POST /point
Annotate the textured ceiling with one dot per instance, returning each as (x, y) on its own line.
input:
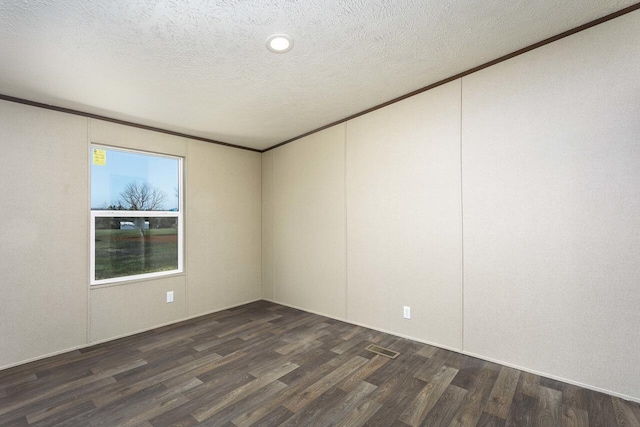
(201, 66)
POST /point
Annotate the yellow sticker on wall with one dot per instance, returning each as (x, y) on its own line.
(99, 157)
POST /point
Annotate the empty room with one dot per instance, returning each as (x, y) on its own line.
(320, 213)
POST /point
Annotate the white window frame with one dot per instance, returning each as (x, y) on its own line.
(136, 214)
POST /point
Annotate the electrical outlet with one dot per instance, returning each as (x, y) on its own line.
(407, 312)
(170, 296)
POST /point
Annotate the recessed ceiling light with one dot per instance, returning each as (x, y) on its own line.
(279, 43)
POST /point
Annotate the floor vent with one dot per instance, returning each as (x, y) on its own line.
(382, 351)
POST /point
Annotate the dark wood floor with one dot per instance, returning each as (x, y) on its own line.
(263, 364)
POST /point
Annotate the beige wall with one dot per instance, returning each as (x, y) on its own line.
(101, 132)
(119, 310)
(44, 250)
(267, 226)
(223, 227)
(549, 148)
(48, 306)
(551, 166)
(309, 223)
(362, 229)
(404, 222)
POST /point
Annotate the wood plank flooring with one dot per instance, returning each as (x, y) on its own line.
(264, 364)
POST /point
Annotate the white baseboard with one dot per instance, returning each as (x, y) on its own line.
(553, 377)
(479, 356)
(467, 353)
(367, 326)
(128, 334)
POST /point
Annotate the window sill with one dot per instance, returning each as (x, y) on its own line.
(142, 280)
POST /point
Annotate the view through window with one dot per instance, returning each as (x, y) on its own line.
(136, 215)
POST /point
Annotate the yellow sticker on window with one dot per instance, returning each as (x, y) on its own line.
(99, 157)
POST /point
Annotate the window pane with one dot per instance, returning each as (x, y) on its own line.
(123, 180)
(126, 246)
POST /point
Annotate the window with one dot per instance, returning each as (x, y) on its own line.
(136, 215)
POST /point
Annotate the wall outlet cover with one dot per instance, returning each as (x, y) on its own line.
(170, 296)
(407, 312)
